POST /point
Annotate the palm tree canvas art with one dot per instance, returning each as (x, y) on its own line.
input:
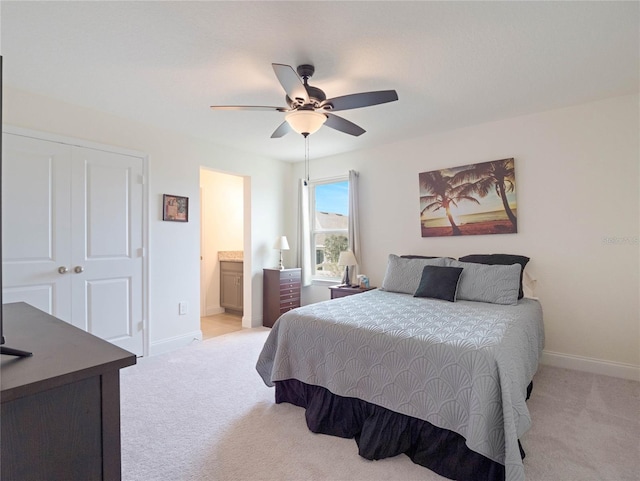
(469, 200)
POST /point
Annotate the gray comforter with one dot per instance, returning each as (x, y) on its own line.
(462, 366)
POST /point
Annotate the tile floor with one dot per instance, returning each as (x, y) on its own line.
(220, 324)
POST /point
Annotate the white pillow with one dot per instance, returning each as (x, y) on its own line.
(495, 284)
(403, 275)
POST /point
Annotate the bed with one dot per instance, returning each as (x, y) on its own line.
(443, 381)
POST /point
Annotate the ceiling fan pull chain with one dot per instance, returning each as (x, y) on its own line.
(306, 157)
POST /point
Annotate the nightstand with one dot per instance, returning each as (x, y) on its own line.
(343, 291)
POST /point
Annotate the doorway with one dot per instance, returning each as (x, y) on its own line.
(221, 245)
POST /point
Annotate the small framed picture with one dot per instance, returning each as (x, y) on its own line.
(175, 208)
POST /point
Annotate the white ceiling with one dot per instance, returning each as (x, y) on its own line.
(452, 63)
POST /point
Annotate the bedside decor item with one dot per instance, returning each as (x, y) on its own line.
(363, 281)
(175, 208)
(471, 199)
(345, 260)
(282, 245)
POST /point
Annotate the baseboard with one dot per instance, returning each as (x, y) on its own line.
(212, 311)
(594, 366)
(173, 343)
(251, 323)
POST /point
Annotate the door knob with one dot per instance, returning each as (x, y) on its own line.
(78, 269)
(62, 270)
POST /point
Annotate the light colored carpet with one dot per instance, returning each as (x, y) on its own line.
(203, 413)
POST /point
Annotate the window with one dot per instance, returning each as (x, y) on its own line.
(329, 202)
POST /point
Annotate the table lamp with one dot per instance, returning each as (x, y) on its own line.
(282, 245)
(345, 260)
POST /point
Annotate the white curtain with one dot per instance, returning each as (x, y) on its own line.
(304, 233)
(354, 225)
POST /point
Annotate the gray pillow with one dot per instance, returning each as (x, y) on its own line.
(501, 259)
(495, 284)
(403, 275)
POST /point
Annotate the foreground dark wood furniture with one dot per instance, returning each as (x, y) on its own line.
(281, 293)
(60, 408)
(343, 291)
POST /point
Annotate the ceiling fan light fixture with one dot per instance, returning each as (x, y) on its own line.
(305, 121)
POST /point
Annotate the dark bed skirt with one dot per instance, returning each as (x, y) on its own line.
(381, 433)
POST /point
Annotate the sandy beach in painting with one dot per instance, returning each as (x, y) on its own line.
(477, 228)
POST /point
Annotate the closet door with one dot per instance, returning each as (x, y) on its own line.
(106, 247)
(36, 224)
(72, 225)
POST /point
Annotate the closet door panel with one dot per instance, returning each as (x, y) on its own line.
(40, 295)
(36, 223)
(108, 211)
(107, 208)
(106, 319)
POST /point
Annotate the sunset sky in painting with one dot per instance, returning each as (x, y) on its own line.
(492, 202)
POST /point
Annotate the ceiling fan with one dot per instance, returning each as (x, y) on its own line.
(308, 107)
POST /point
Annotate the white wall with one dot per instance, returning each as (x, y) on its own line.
(222, 220)
(578, 207)
(174, 168)
(577, 188)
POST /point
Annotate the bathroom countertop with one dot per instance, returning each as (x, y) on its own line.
(230, 256)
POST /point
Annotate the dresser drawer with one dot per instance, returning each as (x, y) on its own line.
(293, 298)
(289, 285)
(290, 281)
(287, 276)
(289, 289)
(288, 307)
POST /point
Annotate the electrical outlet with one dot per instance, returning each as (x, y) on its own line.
(183, 308)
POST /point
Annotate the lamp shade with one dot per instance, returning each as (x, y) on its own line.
(281, 243)
(347, 259)
(305, 121)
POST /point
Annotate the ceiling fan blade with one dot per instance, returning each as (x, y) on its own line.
(290, 82)
(343, 125)
(249, 107)
(282, 130)
(364, 99)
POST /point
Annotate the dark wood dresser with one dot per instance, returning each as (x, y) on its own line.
(281, 293)
(60, 407)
